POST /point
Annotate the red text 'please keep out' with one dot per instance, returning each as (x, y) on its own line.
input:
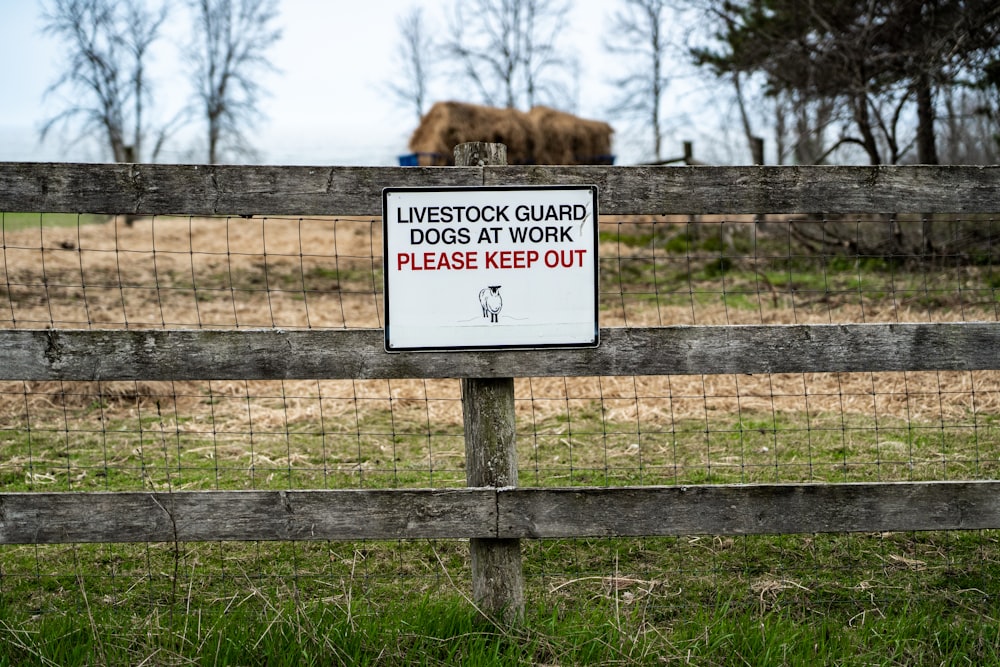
(490, 259)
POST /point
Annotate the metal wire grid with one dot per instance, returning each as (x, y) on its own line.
(326, 272)
(317, 273)
(194, 273)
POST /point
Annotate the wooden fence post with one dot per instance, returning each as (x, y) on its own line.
(490, 456)
(757, 150)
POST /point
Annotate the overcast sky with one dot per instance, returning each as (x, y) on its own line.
(327, 105)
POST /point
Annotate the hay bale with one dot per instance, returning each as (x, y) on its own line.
(569, 139)
(448, 124)
(541, 136)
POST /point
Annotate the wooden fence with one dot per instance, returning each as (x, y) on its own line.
(495, 513)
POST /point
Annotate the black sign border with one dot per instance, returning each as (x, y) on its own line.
(485, 348)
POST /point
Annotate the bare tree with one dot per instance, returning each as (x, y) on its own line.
(506, 49)
(637, 33)
(108, 43)
(545, 20)
(972, 130)
(414, 58)
(231, 38)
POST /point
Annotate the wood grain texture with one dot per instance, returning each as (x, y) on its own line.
(53, 354)
(158, 189)
(491, 455)
(59, 518)
(506, 514)
(488, 418)
(745, 510)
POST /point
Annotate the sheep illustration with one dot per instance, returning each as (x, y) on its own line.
(490, 300)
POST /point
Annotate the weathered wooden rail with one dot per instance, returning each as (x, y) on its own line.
(260, 190)
(270, 354)
(494, 513)
(514, 513)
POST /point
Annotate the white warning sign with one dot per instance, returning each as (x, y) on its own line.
(490, 267)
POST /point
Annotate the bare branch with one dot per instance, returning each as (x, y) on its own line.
(414, 59)
(231, 37)
(507, 50)
(107, 43)
(638, 33)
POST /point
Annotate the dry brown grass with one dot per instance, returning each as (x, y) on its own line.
(193, 273)
(316, 273)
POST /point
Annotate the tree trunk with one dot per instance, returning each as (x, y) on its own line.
(863, 118)
(926, 145)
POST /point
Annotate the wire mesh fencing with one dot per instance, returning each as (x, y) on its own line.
(315, 273)
(311, 273)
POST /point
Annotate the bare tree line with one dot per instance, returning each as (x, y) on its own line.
(882, 81)
(506, 53)
(885, 81)
(108, 44)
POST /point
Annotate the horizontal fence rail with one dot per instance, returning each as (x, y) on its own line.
(153, 189)
(59, 354)
(183, 516)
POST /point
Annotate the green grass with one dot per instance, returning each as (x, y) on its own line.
(694, 266)
(745, 285)
(892, 599)
(442, 631)
(399, 448)
(16, 221)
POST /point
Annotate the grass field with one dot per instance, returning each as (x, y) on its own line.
(12, 222)
(844, 599)
(893, 599)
